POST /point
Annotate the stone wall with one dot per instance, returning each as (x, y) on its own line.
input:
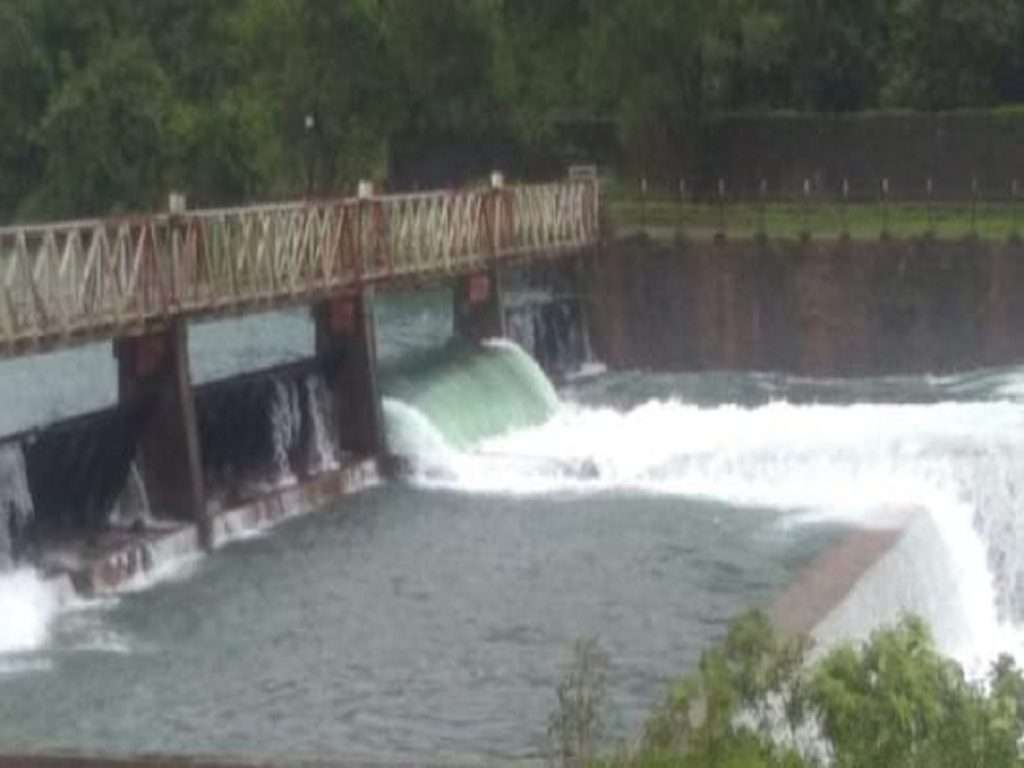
(824, 308)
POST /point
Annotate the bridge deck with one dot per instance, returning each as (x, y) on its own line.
(69, 282)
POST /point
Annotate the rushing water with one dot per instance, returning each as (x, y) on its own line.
(430, 617)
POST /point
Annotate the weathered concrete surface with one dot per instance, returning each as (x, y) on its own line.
(155, 369)
(823, 308)
(346, 348)
(830, 578)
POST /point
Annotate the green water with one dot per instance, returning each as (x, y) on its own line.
(470, 393)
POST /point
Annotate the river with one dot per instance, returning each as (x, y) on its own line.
(430, 618)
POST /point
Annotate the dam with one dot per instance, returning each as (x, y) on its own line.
(538, 497)
(204, 460)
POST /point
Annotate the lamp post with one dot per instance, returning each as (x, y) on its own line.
(310, 124)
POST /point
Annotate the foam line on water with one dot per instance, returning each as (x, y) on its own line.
(38, 614)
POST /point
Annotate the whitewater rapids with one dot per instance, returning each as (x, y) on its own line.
(959, 465)
(489, 422)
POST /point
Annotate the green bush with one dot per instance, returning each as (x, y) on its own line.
(758, 701)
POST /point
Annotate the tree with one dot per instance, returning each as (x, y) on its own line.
(756, 701)
(897, 701)
(104, 136)
(576, 726)
(537, 68)
(946, 53)
(24, 85)
(320, 70)
(644, 62)
(836, 51)
(747, 43)
(442, 54)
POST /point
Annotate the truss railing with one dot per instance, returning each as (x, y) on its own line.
(118, 276)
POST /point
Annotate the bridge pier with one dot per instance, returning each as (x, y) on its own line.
(153, 373)
(479, 310)
(346, 347)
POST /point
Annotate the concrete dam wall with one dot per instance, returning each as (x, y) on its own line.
(78, 479)
(94, 496)
(822, 308)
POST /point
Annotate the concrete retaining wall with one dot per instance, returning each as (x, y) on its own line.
(824, 308)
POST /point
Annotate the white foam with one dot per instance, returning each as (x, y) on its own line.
(588, 370)
(14, 666)
(946, 583)
(542, 384)
(173, 569)
(84, 628)
(323, 446)
(28, 606)
(410, 433)
(962, 462)
(1008, 384)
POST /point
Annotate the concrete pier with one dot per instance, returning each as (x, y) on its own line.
(153, 372)
(346, 349)
(478, 308)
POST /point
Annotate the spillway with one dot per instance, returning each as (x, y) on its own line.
(429, 616)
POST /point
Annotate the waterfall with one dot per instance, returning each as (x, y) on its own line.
(132, 507)
(16, 510)
(264, 431)
(552, 331)
(286, 427)
(471, 393)
(322, 448)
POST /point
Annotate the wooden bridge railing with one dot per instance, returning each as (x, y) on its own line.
(112, 277)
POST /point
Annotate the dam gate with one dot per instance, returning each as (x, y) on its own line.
(138, 281)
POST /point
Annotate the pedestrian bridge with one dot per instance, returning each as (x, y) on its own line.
(68, 282)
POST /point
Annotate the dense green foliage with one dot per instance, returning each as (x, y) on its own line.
(759, 701)
(106, 104)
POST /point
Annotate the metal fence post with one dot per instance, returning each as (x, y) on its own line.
(929, 189)
(682, 207)
(721, 206)
(176, 206)
(762, 193)
(804, 228)
(1014, 208)
(364, 191)
(844, 223)
(497, 191)
(885, 207)
(643, 203)
(974, 206)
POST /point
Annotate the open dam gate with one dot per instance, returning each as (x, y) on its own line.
(173, 467)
